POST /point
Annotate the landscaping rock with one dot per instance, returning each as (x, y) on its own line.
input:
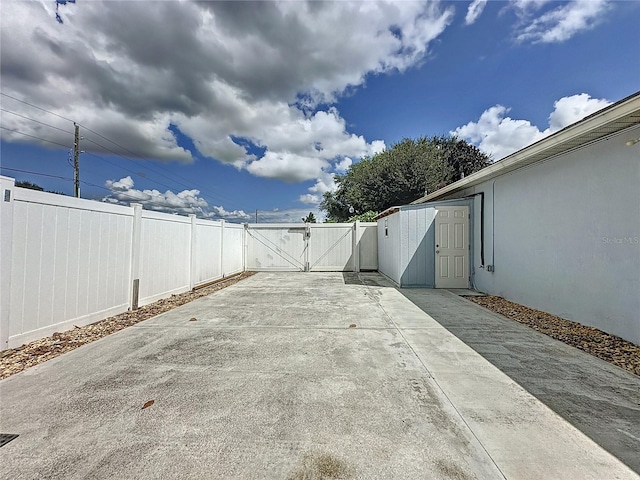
(600, 344)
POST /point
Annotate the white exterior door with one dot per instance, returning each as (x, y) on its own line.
(452, 247)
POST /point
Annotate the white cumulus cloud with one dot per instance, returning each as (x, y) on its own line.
(310, 199)
(344, 164)
(559, 23)
(474, 11)
(185, 202)
(220, 212)
(251, 84)
(499, 135)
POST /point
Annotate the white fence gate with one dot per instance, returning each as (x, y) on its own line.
(312, 247)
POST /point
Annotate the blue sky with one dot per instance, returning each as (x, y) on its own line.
(220, 109)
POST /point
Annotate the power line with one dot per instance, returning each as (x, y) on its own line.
(131, 160)
(69, 179)
(36, 121)
(215, 198)
(34, 136)
(36, 173)
(35, 106)
(158, 166)
(110, 141)
(101, 158)
(124, 168)
(71, 133)
(172, 178)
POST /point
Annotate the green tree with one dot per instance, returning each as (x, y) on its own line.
(33, 186)
(401, 174)
(363, 217)
(29, 185)
(311, 218)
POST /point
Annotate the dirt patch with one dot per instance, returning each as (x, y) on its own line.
(321, 466)
(451, 470)
(15, 360)
(600, 344)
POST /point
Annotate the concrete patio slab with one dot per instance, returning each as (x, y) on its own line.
(601, 400)
(270, 381)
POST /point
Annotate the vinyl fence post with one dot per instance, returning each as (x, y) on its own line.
(7, 190)
(192, 253)
(356, 246)
(307, 241)
(136, 242)
(222, 272)
(245, 246)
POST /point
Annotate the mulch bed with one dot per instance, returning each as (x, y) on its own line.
(600, 344)
(15, 360)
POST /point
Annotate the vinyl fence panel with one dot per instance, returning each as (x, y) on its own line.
(70, 263)
(207, 263)
(165, 256)
(233, 252)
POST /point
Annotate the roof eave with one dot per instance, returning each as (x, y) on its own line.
(386, 213)
(530, 154)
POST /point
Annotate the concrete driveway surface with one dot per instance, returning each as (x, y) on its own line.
(289, 375)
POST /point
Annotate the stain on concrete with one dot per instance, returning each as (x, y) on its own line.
(451, 470)
(321, 466)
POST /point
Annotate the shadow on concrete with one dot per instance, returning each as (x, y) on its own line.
(596, 397)
(351, 278)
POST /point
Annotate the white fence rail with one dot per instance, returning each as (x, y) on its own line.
(67, 261)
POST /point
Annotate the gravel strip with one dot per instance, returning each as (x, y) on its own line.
(600, 344)
(15, 360)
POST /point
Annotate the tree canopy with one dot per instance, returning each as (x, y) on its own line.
(401, 174)
(29, 185)
(34, 186)
(311, 218)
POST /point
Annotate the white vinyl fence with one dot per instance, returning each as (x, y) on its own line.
(312, 247)
(66, 261)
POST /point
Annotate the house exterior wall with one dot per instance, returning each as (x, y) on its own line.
(564, 235)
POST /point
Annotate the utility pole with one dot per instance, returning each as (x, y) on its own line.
(76, 165)
(256, 215)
